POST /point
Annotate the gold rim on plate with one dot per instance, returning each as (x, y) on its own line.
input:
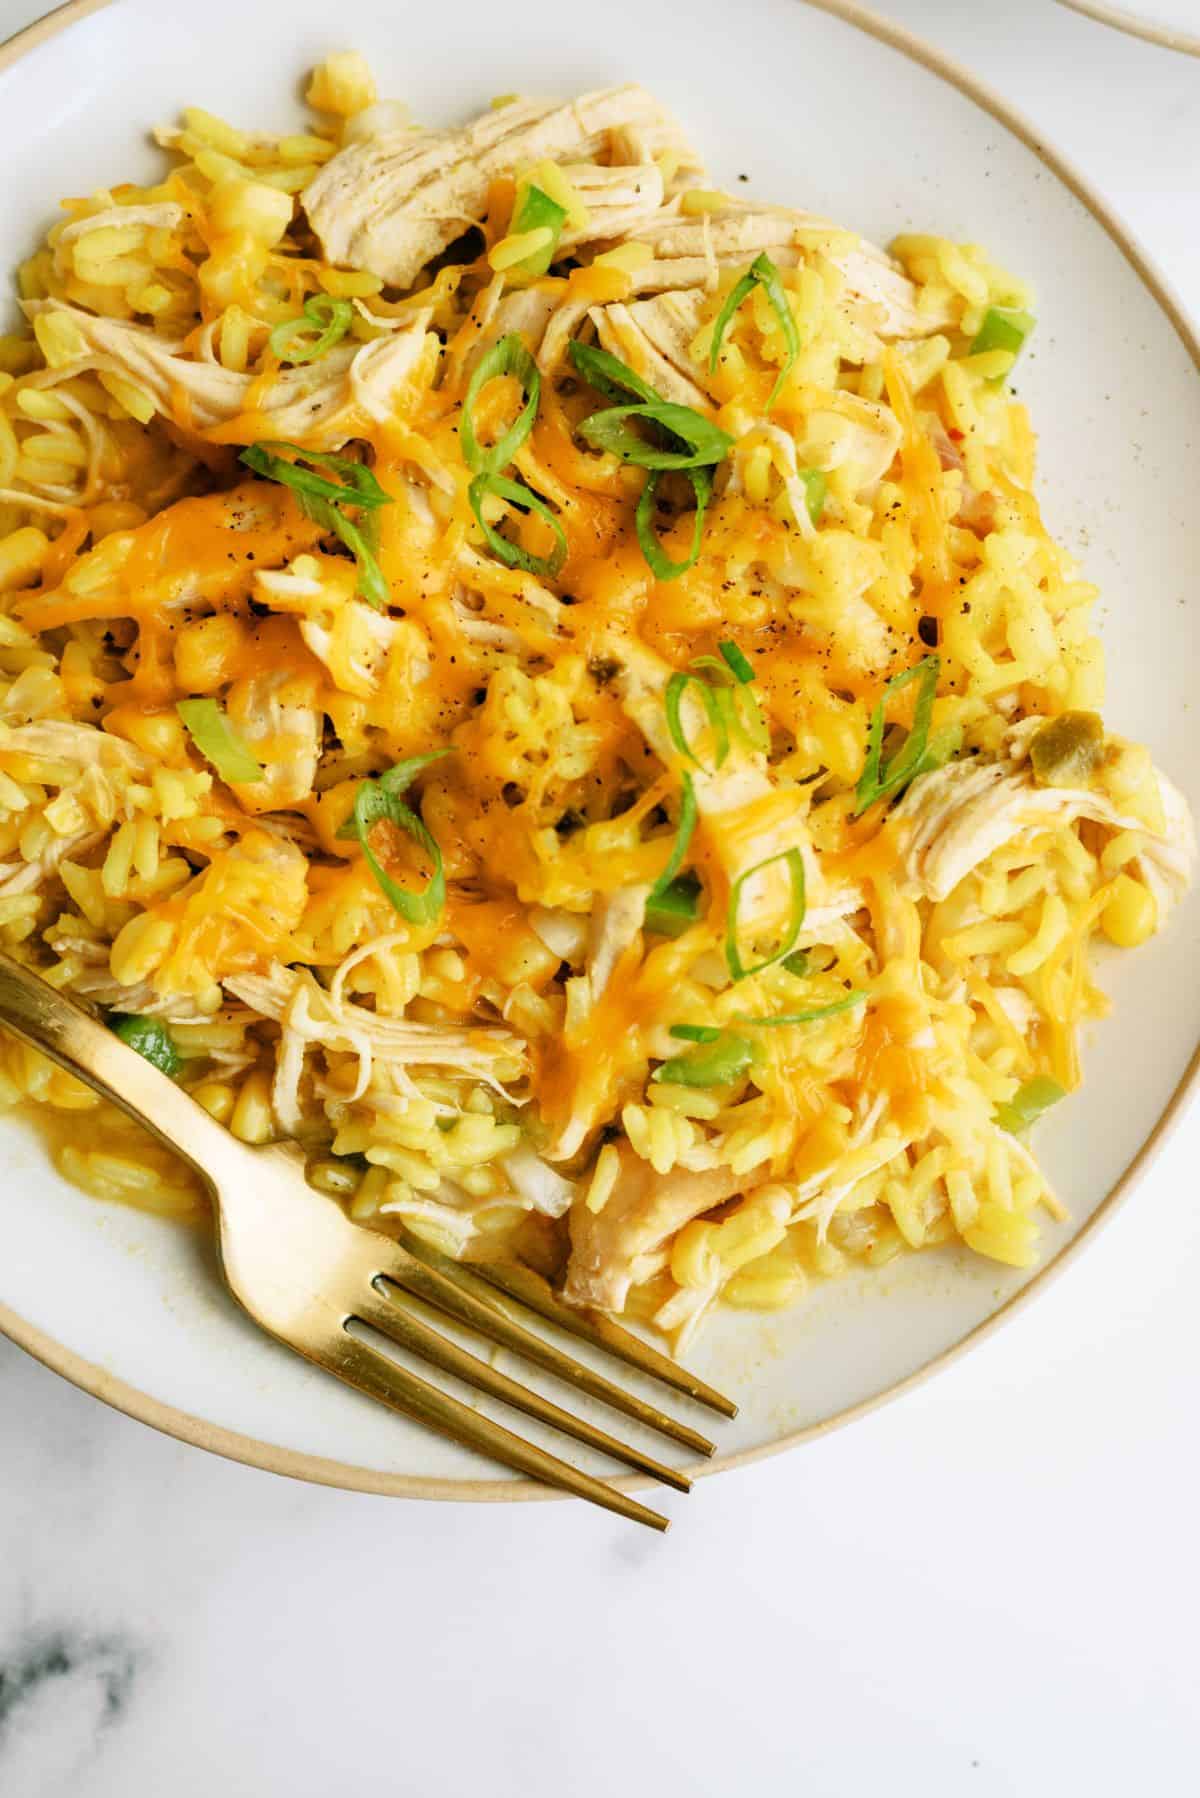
(1168, 36)
(322, 1471)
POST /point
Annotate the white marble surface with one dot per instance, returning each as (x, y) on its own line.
(988, 1588)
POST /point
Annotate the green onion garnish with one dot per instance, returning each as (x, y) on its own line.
(398, 778)
(676, 908)
(380, 799)
(763, 273)
(737, 663)
(150, 1038)
(705, 443)
(358, 486)
(1002, 329)
(677, 686)
(716, 1064)
(517, 494)
(1028, 1103)
(217, 741)
(508, 357)
(325, 502)
(738, 705)
(324, 322)
(815, 485)
(619, 383)
(696, 1033)
(878, 781)
(683, 836)
(660, 563)
(609, 375)
(536, 211)
(794, 862)
(807, 1017)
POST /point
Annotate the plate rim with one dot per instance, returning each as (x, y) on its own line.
(321, 1470)
(1168, 37)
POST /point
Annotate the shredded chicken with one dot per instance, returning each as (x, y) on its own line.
(954, 818)
(347, 1027)
(611, 1248)
(614, 930)
(277, 717)
(356, 646)
(692, 252)
(654, 337)
(323, 403)
(27, 877)
(59, 740)
(618, 200)
(538, 1185)
(392, 203)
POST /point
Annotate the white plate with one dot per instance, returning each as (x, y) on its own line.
(818, 110)
(1173, 23)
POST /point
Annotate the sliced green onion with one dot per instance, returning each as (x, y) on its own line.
(807, 1017)
(716, 1064)
(1028, 1103)
(677, 686)
(1003, 328)
(744, 718)
(397, 780)
(151, 1039)
(660, 564)
(323, 501)
(683, 836)
(329, 319)
(508, 357)
(706, 443)
(217, 741)
(362, 540)
(536, 211)
(878, 781)
(815, 486)
(794, 862)
(696, 1033)
(517, 494)
(676, 908)
(358, 487)
(376, 800)
(763, 273)
(609, 375)
(737, 663)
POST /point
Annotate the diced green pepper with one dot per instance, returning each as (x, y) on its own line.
(151, 1039)
(670, 912)
(1067, 750)
(1003, 328)
(1028, 1103)
(535, 211)
(715, 1064)
(815, 485)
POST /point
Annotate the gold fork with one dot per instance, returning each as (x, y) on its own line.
(304, 1272)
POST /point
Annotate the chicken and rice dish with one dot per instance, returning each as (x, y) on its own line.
(547, 683)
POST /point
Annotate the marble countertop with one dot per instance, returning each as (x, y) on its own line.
(986, 1588)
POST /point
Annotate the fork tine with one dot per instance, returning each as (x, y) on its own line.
(521, 1282)
(391, 1315)
(380, 1378)
(473, 1304)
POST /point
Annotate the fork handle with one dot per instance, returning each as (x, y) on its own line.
(48, 1020)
